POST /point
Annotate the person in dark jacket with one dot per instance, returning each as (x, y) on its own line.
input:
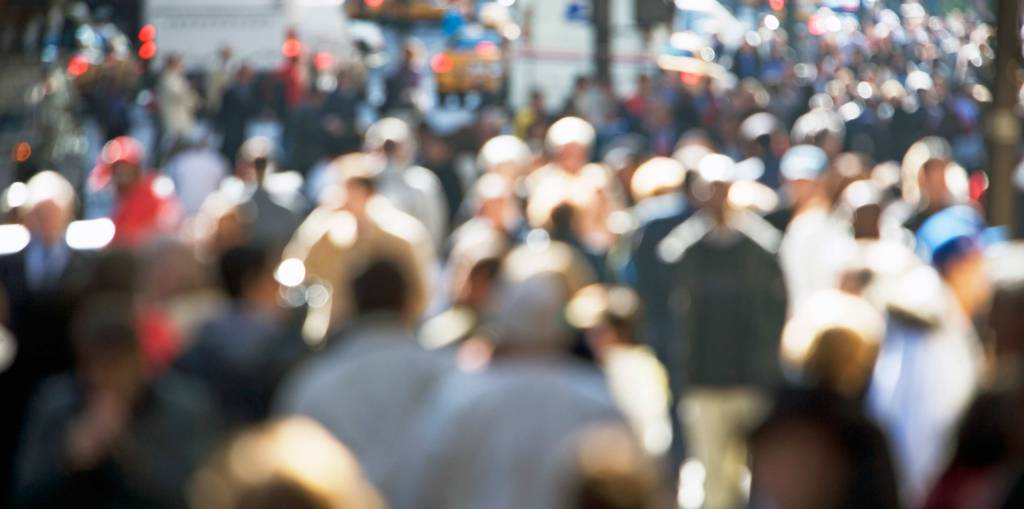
(728, 299)
(237, 107)
(818, 449)
(105, 436)
(244, 351)
(40, 275)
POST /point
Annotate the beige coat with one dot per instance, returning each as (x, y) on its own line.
(334, 246)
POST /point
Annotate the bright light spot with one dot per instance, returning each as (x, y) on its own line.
(620, 222)
(441, 63)
(78, 66)
(487, 49)
(691, 484)
(8, 350)
(777, 5)
(833, 24)
(148, 50)
(657, 438)
(745, 480)
(689, 78)
(850, 111)
(864, 90)
(538, 239)
(291, 48)
(374, 4)
(291, 272)
(323, 60)
(17, 195)
(22, 152)
(147, 33)
(507, 3)
(511, 31)
(90, 233)
(163, 186)
(707, 53)
(13, 238)
(318, 296)
(815, 25)
(771, 22)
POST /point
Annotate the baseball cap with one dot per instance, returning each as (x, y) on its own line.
(953, 231)
(803, 162)
(121, 149)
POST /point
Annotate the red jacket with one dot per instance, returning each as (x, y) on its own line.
(142, 213)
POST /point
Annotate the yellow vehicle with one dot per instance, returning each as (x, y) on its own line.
(395, 10)
(476, 68)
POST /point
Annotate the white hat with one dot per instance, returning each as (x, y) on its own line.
(570, 130)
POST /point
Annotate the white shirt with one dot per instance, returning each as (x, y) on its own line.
(924, 381)
(813, 253)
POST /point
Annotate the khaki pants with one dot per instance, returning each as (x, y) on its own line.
(717, 421)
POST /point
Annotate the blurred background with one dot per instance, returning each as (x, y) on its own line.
(513, 253)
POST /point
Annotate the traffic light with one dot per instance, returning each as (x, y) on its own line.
(147, 42)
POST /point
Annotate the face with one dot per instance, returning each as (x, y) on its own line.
(357, 196)
(932, 180)
(800, 191)
(573, 156)
(125, 175)
(48, 220)
(119, 373)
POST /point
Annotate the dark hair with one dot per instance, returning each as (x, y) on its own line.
(240, 265)
(104, 324)
(381, 286)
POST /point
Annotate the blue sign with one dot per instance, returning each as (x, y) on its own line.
(578, 11)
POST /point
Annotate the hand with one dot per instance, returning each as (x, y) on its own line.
(92, 435)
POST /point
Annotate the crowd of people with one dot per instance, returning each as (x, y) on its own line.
(767, 285)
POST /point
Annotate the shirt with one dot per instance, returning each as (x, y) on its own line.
(367, 389)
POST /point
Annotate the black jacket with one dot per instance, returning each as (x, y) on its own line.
(728, 300)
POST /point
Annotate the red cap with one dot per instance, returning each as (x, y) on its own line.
(121, 149)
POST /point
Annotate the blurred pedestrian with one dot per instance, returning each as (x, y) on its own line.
(178, 101)
(218, 79)
(41, 278)
(373, 364)
(243, 352)
(816, 449)
(237, 107)
(353, 226)
(276, 451)
(483, 429)
(815, 245)
(728, 299)
(197, 171)
(930, 363)
(104, 435)
(145, 206)
(412, 189)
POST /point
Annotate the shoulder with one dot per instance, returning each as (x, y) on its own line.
(56, 395)
(759, 230)
(678, 241)
(182, 394)
(421, 178)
